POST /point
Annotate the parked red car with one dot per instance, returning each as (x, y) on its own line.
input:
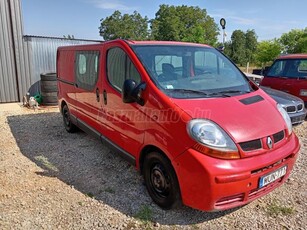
(198, 130)
(289, 73)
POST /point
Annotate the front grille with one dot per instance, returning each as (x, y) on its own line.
(300, 107)
(251, 145)
(291, 109)
(257, 144)
(278, 136)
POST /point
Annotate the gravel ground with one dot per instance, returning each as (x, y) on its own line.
(50, 179)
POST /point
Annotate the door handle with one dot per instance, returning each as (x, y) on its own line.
(105, 97)
(97, 95)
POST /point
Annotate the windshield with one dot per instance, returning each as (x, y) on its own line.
(191, 71)
(289, 68)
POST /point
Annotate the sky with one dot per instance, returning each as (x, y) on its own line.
(81, 18)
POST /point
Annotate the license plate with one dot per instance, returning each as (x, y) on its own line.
(273, 176)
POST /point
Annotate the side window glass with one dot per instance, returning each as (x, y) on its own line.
(302, 68)
(277, 69)
(120, 68)
(82, 64)
(86, 67)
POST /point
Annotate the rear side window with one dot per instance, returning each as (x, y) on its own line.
(120, 68)
(86, 69)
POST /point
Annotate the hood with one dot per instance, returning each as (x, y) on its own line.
(246, 117)
(282, 97)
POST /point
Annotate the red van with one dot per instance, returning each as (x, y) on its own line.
(289, 73)
(199, 131)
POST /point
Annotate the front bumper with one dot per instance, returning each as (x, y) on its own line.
(298, 117)
(208, 183)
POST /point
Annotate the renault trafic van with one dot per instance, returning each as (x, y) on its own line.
(184, 115)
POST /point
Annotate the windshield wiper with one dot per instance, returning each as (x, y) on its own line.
(188, 91)
(227, 93)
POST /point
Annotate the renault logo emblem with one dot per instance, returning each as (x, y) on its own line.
(269, 142)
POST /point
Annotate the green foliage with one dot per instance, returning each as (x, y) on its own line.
(238, 54)
(46, 163)
(126, 26)
(89, 194)
(274, 209)
(242, 47)
(294, 41)
(267, 51)
(145, 214)
(184, 23)
(250, 45)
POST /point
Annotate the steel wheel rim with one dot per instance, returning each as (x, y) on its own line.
(160, 181)
(66, 118)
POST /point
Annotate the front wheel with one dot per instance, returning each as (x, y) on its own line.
(69, 126)
(161, 181)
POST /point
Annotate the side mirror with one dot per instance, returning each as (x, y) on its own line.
(132, 92)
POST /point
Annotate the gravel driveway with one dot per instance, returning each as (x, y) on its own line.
(50, 179)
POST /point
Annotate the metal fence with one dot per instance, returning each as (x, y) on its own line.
(42, 54)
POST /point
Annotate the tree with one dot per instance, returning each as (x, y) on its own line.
(302, 43)
(267, 51)
(238, 46)
(183, 23)
(133, 26)
(241, 49)
(250, 45)
(293, 41)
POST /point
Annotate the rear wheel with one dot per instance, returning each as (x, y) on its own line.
(69, 126)
(161, 181)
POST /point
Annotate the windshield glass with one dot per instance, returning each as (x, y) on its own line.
(289, 68)
(191, 71)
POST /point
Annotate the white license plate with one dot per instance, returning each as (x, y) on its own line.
(273, 176)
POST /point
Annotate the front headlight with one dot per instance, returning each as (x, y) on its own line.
(214, 137)
(286, 117)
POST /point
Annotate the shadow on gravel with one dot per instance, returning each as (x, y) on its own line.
(86, 164)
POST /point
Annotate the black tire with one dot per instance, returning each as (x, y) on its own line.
(69, 126)
(49, 89)
(50, 98)
(48, 77)
(161, 181)
(49, 86)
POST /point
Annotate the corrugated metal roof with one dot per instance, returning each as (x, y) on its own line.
(60, 38)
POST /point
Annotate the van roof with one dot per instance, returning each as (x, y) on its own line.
(131, 42)
(164, 43)
(293, 56)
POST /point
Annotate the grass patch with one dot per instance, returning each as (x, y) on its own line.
(145, 215)
(275, 209)
(46, 163)
(89, 194)
(110, 190)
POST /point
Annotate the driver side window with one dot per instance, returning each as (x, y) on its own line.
(120, 67)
